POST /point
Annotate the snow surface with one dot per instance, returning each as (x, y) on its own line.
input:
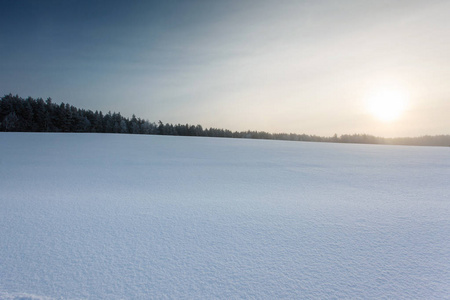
(131, 216)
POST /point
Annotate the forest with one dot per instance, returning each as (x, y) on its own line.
(36, 115)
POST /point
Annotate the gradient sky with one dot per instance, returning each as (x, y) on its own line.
(278, 66)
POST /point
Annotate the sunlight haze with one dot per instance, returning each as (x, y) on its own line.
(314, 67)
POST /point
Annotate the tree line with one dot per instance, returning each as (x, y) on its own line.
(37, 115)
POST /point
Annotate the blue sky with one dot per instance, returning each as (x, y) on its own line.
(279, 66)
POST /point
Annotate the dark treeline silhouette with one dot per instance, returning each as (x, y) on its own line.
(37, 115)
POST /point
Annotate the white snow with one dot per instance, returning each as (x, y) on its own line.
(105, 216)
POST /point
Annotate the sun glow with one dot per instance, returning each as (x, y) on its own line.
(387, 105)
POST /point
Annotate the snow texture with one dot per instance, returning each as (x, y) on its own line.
(104, 216)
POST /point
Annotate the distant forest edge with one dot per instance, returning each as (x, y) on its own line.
(37, 115)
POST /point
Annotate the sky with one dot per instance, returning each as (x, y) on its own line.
(314, 67)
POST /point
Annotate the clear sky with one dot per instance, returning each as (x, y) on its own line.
(315, 67)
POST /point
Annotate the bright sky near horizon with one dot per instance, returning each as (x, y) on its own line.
(314, 67)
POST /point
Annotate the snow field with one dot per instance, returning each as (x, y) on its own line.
(90, 216)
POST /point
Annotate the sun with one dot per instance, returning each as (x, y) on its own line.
(387, 105)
